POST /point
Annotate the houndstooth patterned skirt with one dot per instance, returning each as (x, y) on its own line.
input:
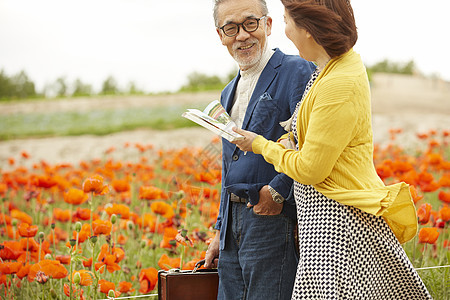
(346, 253)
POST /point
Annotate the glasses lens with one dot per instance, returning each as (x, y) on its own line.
(250, 25)
(230, 29)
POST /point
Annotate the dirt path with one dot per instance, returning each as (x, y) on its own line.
(411, 103)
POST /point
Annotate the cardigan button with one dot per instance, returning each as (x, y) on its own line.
(235, 157)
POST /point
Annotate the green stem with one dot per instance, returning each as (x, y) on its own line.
(26, 256)
(443, 251)
(423, 255)
(54, 243)
(76, 245)
(69, 225)
(94, 271)
(3, 212)
(156, 225)
(143, 217)
(92, 210)
(39, 253)
(414, 250)
(182, 256)
(70, 275)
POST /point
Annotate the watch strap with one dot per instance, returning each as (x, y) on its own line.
(275, 195)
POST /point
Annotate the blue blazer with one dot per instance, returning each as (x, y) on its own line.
(276, 94)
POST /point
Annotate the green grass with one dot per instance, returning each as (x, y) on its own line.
(97, 122)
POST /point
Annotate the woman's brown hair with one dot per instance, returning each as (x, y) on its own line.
(330, 22)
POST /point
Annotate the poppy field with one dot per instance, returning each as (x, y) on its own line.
(104, 228)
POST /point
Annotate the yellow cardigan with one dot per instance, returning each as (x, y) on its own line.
(336, 147)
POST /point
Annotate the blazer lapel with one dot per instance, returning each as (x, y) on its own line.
(229, 97)
(265, 79)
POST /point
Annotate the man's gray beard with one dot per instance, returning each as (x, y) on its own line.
(248, 64)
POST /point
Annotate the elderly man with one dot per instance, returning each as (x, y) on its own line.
(255, 228)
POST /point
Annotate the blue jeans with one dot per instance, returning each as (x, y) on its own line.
(260, 259)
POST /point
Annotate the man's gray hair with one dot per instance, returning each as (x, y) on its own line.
(264, 9)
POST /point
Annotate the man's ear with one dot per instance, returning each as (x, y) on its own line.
(268, 25)
(220, 35)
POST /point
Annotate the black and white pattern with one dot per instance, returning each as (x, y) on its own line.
(346, 253)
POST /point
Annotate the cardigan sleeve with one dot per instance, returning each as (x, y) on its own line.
(330, 129)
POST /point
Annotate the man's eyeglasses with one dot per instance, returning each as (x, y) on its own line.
(249, 25)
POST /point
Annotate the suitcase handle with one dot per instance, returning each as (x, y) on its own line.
(198, 265)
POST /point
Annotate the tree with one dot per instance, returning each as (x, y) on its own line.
(133, 90)
(60, 87)
(386, 66)
(109, 86)
(5, 86)
(80, 89)
(18, 86)
(202, 82)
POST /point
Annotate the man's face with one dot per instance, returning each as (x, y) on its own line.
(246, 47)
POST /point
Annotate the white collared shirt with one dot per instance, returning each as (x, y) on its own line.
(246, 86)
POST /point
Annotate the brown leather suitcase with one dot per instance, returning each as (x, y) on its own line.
(199, 284)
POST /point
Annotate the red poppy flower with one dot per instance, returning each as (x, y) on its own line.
(101, 227)
(414, 195)
(106, 286)
(122, 239)
(75, 292)
(423, 213)
(24, 270)
(19, 215)
(151, 192)
(109, 259)
(428, 235)
(27, 231)
(126, 287)
(82, 214)
(95, 185)
(444, 213)
(444, 181)
(169, 234)
(64, 259)
(10, 267)
(84, 233)
(87, 263)
(167, 263)
(75, 196)
(87, 277)
(444, 196)
(51, 268)
(45, 181)
(121, 185)
(162, 208)
(11, 250)
(61, 215)
(3, 189)
(119, 209)
(148, 279)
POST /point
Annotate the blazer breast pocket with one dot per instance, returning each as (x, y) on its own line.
(265, 115)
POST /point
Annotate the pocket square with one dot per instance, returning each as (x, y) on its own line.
(265, 96)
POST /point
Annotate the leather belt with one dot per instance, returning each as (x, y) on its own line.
(236, 198)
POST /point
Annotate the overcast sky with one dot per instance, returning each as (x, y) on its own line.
(157, 43)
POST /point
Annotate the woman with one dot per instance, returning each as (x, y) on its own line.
(350, 224)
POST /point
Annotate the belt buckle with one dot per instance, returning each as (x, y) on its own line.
(236, 198)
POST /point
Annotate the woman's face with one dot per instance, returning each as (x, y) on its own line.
(299, 36)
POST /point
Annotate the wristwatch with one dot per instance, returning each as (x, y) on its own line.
(275, 195)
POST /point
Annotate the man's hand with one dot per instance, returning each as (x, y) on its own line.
(266, 205)
(246, 143)
(212, 254)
